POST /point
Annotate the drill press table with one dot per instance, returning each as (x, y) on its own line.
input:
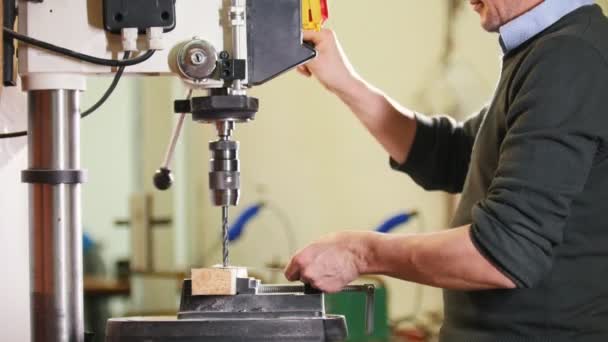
(257, 313)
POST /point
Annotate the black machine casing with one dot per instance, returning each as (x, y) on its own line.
(274, 38)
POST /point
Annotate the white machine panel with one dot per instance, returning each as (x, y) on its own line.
(78, 25)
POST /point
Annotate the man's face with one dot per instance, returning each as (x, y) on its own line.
(495, 13)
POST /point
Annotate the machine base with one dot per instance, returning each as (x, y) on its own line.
(256, 313)
(157, 329)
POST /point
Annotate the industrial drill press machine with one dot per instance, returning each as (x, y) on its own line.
(223, 47)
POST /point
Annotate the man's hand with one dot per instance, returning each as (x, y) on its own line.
(332, 262)
(331, 67)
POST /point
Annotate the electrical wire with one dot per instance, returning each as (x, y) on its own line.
(13, 135)
(93, 108)
(77, 55)
(110, 90)
(121, 64)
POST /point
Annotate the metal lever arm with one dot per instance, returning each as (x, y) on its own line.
(163, 179)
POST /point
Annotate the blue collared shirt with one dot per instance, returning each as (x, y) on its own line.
(533, 22)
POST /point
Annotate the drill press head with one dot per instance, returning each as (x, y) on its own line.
(223, 111)
(265, 40)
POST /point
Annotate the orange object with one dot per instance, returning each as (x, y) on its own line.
(314, 14)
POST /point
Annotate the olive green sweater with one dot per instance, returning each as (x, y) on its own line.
(533, 171)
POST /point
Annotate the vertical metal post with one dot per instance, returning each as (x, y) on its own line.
(238, 19)
(55, 216)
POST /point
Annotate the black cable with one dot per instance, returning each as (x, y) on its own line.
(13, 135)
(93, 108)
(77, 55)
(110, 90)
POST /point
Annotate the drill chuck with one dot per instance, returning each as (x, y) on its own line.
(224, 174)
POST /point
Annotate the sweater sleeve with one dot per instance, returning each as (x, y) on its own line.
(553, 128)
(441, 152)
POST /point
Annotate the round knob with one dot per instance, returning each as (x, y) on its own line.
(163, 179)
(197, 59)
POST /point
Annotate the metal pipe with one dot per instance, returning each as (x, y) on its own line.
(239, 34)
(55, 219)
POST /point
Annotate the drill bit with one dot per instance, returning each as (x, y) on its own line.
(225, 236)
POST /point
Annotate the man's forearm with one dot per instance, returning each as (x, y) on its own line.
(393, 126)
(446, 259)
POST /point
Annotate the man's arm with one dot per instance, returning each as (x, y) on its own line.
(556, 126)
(445, 259)
(435, 151)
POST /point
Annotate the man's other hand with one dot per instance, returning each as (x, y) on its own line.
(332, 262)
(331, 67)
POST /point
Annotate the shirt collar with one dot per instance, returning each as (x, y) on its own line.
(533, 22)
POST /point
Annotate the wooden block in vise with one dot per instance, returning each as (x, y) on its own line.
(216, 281)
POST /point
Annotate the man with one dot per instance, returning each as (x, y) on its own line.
(528, 257)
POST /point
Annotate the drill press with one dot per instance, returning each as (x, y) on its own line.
(266, 41)
(231, 45)
(250, 311)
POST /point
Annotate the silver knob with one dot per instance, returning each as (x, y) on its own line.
(197, 59)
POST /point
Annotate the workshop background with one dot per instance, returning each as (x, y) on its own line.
(306, 156)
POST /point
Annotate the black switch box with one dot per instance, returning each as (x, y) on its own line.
(140, 14)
